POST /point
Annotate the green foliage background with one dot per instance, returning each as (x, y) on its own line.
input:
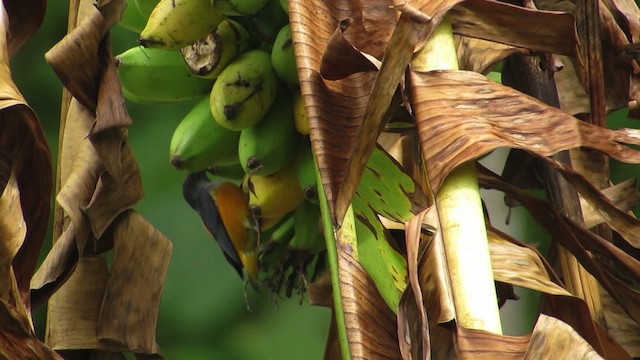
(203, 313)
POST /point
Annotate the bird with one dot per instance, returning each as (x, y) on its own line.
(224, 210)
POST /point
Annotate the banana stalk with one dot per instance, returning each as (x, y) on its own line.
(461, 217)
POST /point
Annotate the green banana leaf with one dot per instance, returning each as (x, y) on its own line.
(386, 267)
(387, 189)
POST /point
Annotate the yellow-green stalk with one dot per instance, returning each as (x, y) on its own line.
(461, 217)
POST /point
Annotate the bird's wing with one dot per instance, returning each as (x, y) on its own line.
(211, 217)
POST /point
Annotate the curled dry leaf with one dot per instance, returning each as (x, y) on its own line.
(84, 64)
(516, 26)
(17, 338)
(12, 232)
(481, 55)
(335, 107)
(623, 196)
(581, 243)
(552, 338)
(74, 309)
(128, 315)
(25, 151)
(26, 17)
(493, 115)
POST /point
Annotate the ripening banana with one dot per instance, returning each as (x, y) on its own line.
(145, 7)
(244, 91)
(239, 7)
(306, 170)
(199, 142)
(272, 143)
(211, 54)
(299, 114)
(132, 19)
(174, 24)
(308, 229)
(283, 58)
(151, 76)
(273, 196)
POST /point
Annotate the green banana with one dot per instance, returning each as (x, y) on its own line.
(239, 7)
(244, 91)
(308, 230)
(211, 54)
(272, 197)
(232, 173)
(174, 24)
(145, 7)
(268, 21)
(132, 19)
(285, 5)
(199, 142)
(282, 57)
(269, 145)
(151, 76)
(306, 171)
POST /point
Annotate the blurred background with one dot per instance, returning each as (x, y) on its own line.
(203, 313)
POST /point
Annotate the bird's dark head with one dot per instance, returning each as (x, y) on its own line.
(192, 185)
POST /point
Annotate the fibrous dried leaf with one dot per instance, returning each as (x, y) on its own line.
(24, 149)
(74, 309)
(623, 196)
(483, 345)
(516, 26)
(493, 115)
(12, 232)
(17, 338)
(552, 338)
(128, 315)
(335, 107)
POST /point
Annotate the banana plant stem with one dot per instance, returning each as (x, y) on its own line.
(461, 216)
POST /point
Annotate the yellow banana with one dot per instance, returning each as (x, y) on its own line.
(174, 24)
(273, 196)
(244, 91)
(299, 114)
(211, 54)
(199, 142)
(269, 145)
(151, 76)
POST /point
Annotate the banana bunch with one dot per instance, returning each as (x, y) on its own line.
(248, 126)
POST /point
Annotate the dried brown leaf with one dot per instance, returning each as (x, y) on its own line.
(17, 338)
(517, 26)
(481, 55)
(573, 98)
(581, 243)
(397, 56)
(520, 265)
(13, 231)
(335, 108)
(341, 59)
(483, 345)
(114, 194)
(552, 338)
(26, 17)
(623, 196)
(79, 59)
(332, 346)
(493, 115)
(620, 326)
(23, 145)
(56, 267)
(128, 316)
(73, 310)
